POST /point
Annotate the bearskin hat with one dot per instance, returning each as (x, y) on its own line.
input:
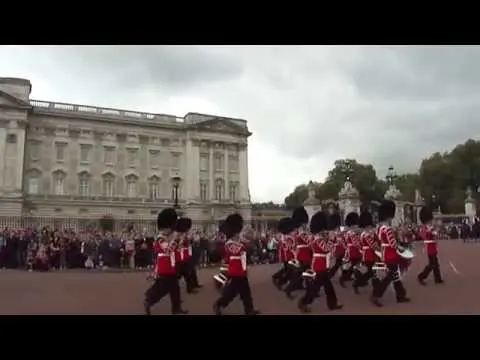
(351, 219)
(300, 216)
(285, 225)
(426, 215)
(233, 225)
(334, 221)
(167, 219)
(386, 210)
(365, 219)
(183, 225)
(318, 222)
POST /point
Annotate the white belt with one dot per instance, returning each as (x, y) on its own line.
(385, 245)
(163, 255)
(365, 247)
(429, 241)
(320, 255)
(301, 246)
(235, 258)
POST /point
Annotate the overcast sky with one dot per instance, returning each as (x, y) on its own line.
(306, 105)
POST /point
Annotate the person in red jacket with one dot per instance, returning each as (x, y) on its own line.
(165, 272)
(320, 249)
(236, 260)
(427, 235)
(337, 240)
(184, 251)
(353, 256)
(285, 251)
(391, 258)
(369, 245)
(303, 253)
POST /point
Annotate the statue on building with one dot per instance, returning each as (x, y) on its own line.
(470, 205)
(348, 197)
(394, 194)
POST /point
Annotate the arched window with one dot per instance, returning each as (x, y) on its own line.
(132, 184)
(84, 183)
(108, 185)
(219, 189)
(154, 188)
(59, 183)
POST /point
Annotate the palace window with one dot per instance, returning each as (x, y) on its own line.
(131, 186)
(233, 191)
(204, 162)
(233, 163)
(84, 184)
(203, 190)
(154, 159)
(155, 189)
(34, 150)
(59, 183)
(108, 185)
(109, 154)
(60, 151)
(219, 189)
(132, 157)
(85, 153)
(219, 162)
(33, 185)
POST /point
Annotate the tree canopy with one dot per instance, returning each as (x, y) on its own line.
(441, 178)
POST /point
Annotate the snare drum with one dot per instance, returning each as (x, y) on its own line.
(405, 253)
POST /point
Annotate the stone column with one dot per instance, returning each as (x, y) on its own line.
(20, 157)
(243, 170)
(3, 140)
(211, 172)
(470, 206)
(226, 172)
(189, 175)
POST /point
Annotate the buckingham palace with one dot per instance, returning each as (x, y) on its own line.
(68, 160)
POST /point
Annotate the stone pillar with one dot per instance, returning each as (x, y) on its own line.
(311, 204)
(394, 194)
(211, 173)
(3, 141)
(470, 206)
(349, 199)
(419, 203)
(243, 170)
(189, 175)
(226, 173)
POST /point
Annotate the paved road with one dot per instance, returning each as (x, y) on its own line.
(83, 293)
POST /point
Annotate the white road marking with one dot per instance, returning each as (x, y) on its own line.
(454, 268)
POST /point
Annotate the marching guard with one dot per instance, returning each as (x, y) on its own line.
(303, 253)
(338, 243)
(184, 258)
(369, 246)
(320, 265)
(165, 271)
(427, 234)
(391, 258)
(236, 260)
(353, 254)
(285, 251)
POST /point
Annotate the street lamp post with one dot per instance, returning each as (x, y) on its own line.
(391, 175)
(176, 185)
(436, 203)
(347, 170)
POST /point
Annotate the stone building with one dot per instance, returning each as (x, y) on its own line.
(75, 161)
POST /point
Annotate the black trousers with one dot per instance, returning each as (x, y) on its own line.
(296, 278)
(351, 271)
(432, 266)
(363, 279)
(281, 276)
(186, 271)
(338, 263)
(237, 286)
(162, 286)
(314, 286)
(393, 275)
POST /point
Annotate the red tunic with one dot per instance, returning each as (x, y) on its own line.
(303, 252)
(369, 243)
(235, 258)
(165, 263)
(353, 245)
(388, 244)
(185, 247)
(320, 249)
(427, 235)
(339, 246)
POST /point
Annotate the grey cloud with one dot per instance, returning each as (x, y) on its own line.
(128, 68)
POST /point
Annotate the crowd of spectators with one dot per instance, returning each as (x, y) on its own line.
(51, 249)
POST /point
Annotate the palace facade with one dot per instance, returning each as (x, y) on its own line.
(67, 160)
